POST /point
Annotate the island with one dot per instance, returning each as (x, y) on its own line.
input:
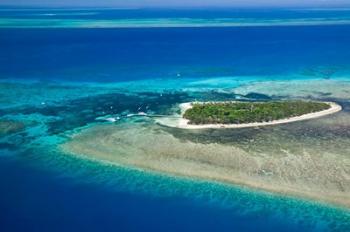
(238, 114)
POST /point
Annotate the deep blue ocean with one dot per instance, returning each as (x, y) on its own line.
(100, 54)
(39, 194)
(35, 200)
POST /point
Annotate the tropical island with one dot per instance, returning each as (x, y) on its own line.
(237, 114)
(249, 112)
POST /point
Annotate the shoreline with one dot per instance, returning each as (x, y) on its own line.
(184, 123)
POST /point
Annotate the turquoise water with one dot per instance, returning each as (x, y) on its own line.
(58, 81)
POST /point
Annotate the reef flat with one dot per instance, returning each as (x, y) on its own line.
(9, 127)
(293, 166)
(165, 22)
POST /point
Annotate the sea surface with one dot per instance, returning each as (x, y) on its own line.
(65, 70)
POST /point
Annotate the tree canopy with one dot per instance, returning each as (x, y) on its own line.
(249, 112)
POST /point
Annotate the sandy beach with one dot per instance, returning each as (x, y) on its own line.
(184, 123)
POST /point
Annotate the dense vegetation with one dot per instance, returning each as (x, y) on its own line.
(249, 112)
